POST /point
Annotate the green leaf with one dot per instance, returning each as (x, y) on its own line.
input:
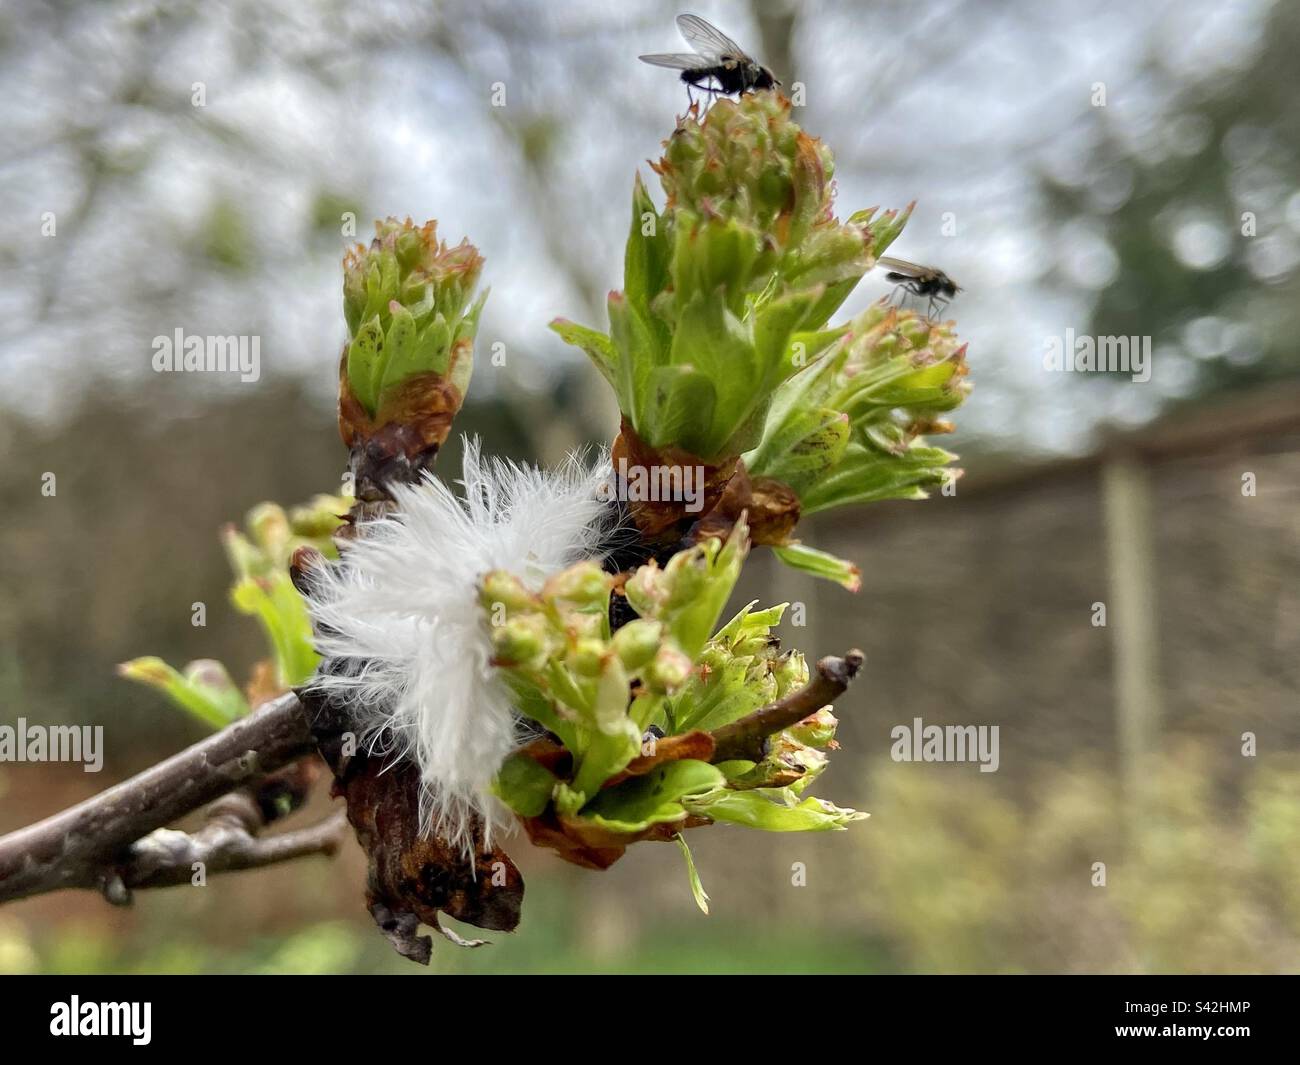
(283, 615)
(756, 809)
(204, 690)
(820, 564)
(614, 739)
(468, 326)
(859, 393)
(524, 785)
(830, 256)
(639, 351)
(679, 399)
(365, 363)
(748, 620)
(697, 887)
(533, 703)
(401, 361)
(774, 329)
(433, 347)
(866, 475)
(919, 388)
(389, 281)
(645, 262)
(809, 389)
(725, 695)
(832, 298)
(712, 340)
(375, 296)
(640, 802)
(599, 348)
(802, 448)
(713, 259)
(886, 231)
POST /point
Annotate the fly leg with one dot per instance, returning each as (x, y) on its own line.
(906, 288)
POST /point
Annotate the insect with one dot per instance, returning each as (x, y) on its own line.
(716, 57)
(925, 281)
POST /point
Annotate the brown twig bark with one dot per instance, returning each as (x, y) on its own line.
(85, 845)
(747, 738)
(228, 842)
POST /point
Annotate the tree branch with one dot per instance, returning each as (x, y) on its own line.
(747, 738)
(83, 845)
(227, 843)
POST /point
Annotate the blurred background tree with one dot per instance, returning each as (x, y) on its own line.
(1186, 217)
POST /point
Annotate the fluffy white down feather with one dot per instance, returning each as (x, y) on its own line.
(402, 605)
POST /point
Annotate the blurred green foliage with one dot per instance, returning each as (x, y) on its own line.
(551, 943)
(961, 879)
(227, 243)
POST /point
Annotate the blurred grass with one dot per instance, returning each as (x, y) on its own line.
(1196, 879)
(549, 942)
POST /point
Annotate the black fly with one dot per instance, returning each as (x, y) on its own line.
(716, 57)
(927, 282)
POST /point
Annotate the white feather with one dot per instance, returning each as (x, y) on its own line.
(402, 605)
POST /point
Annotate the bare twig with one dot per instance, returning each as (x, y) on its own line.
(84, 845)
(228, 842)
(747, 738)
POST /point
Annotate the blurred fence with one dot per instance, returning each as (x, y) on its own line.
(982, 607)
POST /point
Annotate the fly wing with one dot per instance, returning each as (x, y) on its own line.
(707, 39)
(676, 60)
(902, 266)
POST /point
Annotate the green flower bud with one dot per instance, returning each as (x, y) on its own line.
(500, 586)
(669, 670)
(791, 673)
(316, 520)
(849, 428)
(689, 594)
(522, 641)
(788, 764)
(587, 656)
(637, 641)
(816, 730)
(584, 585)
(244, 558)
(406, 299)
(269, 527)
(727, 292)
(747, 161)
(204, 689)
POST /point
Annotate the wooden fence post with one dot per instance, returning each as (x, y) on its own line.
(1133, 613)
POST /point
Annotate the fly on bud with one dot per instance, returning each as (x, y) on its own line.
(717, 58)
(928, 282)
